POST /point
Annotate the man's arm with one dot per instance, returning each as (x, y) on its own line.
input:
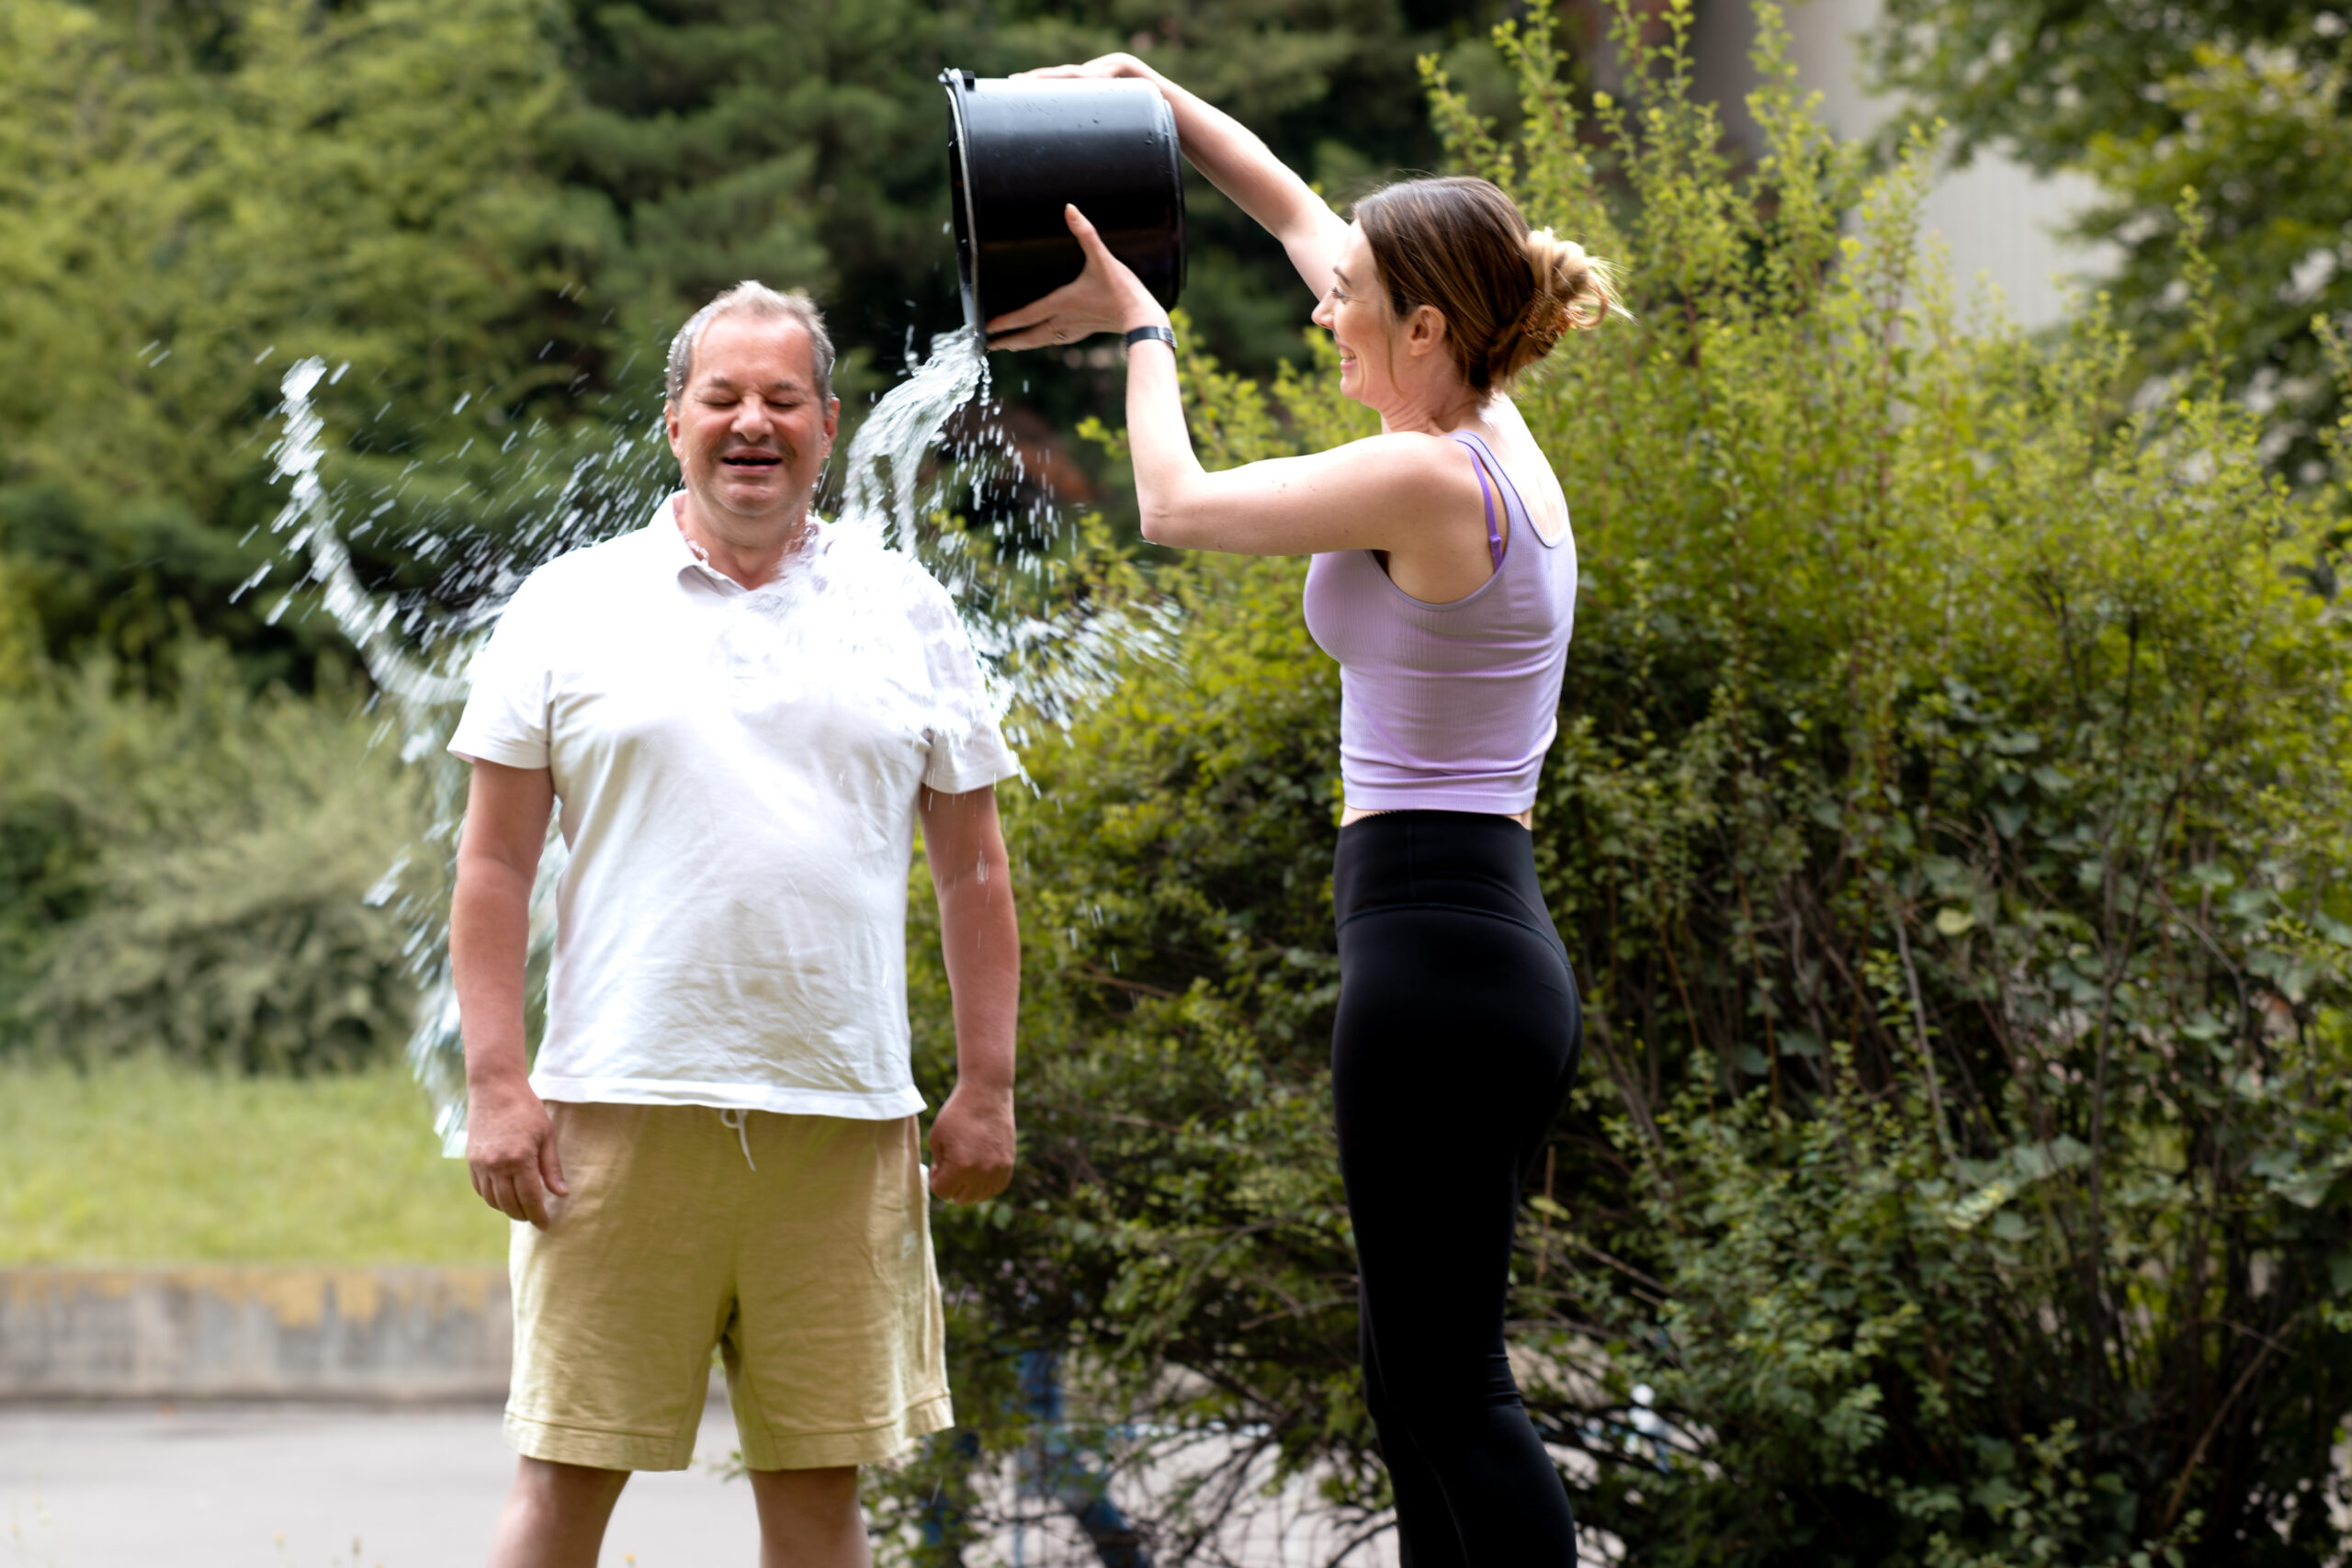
(510, 1143)
(971, 1138)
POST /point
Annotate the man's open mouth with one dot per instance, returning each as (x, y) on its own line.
(754, 462)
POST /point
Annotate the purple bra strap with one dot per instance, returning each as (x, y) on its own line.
(1494, 534)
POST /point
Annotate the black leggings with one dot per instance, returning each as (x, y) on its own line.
(1456, 1041)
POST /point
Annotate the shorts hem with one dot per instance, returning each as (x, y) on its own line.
(867, 1445)
(598, 1447)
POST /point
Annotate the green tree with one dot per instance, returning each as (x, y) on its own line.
(2246, 102)
(195, 196)
(485, 219)
(804, 142)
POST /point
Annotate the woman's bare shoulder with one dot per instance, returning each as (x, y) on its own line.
(1396, 450)
(1422, 461)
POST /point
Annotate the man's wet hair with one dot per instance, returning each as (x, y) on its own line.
(756, 299)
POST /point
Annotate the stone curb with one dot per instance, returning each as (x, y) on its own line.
(401, 1335)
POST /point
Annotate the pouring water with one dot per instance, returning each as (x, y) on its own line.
(900, 490)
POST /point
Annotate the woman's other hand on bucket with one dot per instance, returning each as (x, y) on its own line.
(1100, 66)
(1106, 298)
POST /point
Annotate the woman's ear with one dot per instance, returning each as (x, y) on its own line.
(1424, 329)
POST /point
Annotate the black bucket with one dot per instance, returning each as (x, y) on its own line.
(1018, 151)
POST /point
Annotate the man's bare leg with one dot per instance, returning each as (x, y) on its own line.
(555, 1516)
(810, 1519)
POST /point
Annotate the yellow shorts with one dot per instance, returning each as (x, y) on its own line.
(811, 1274)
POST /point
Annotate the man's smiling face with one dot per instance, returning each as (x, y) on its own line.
(748, 432)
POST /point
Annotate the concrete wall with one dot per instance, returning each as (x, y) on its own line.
(408, 1335)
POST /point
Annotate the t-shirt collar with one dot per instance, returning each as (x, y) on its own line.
(690, 557)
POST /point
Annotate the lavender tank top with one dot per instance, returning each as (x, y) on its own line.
(1449, 706)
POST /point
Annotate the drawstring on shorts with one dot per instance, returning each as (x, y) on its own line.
(735, 1119)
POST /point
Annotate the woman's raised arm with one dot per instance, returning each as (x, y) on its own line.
(1234, 161)
(1412, 495)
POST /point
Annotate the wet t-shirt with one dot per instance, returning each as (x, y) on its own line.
(738, 772)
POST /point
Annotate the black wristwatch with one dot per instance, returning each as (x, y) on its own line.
(1143, 334)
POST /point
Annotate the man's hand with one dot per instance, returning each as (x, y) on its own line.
(510, 1152)
(971, 1145)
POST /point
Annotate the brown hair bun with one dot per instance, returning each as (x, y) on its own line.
(1508, 294)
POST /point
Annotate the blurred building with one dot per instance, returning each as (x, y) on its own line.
(1997, 219)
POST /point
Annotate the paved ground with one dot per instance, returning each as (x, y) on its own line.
(307, 1487)
(304, 1486)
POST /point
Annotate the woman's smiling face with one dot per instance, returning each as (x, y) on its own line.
(1352, 312)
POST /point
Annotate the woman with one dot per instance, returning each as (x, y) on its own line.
(1444, 582)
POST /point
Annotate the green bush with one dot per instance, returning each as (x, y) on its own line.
(208, 874)
(1949, 820)
(1948, 823)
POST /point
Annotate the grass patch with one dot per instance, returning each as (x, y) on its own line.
(140, 1161)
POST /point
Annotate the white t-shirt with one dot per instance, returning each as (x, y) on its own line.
(738, 772)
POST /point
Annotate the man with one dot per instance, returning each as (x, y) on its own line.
(742, 714)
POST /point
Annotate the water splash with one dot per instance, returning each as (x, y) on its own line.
(915, 459)
(884, 489)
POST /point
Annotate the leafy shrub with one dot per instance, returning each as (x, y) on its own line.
(1948, 823)
(203, 876)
